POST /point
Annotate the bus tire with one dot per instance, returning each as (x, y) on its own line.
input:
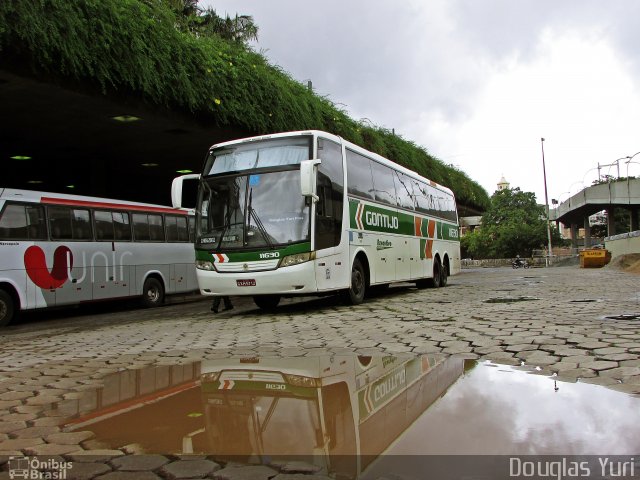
(356, 292)
(7, 308)
(444, 274)
(152, 293)
(267, 302)
(436, 280)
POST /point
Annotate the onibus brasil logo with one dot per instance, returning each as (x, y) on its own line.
(36, 469)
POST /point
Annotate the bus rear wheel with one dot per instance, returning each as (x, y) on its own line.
(436, 281)
(444, 275)
(7, 308)
(356, 292)
(267, 302)
(152, 293)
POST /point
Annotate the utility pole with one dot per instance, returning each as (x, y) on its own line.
(546, 203)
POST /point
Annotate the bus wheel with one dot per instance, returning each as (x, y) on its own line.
(7, 308)
(444, 275)
(152, 293)
(436, 281)
(267, 302)
(355, 294)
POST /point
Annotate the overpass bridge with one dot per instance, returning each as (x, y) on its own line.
(576, 210)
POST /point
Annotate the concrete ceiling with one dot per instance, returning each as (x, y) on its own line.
(72, 139)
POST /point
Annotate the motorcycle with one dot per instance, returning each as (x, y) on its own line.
(520, 263)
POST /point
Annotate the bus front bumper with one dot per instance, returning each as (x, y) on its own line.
(294, 280)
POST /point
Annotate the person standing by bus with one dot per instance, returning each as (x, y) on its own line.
(216, 303)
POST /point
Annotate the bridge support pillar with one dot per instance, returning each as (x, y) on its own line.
(587, 233)
(574, 235)
(611, 221)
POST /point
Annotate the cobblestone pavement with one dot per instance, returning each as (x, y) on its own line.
(579, 324)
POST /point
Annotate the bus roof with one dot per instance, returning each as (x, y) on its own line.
(337, 139)
(48, 198)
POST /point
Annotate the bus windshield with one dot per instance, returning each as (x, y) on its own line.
(258, 155)
(244, 425)
(255, 210)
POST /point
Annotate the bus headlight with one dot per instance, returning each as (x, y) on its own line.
(291, 260)
(210, 377)
(204, 265)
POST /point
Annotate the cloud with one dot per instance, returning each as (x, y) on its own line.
(476, 83)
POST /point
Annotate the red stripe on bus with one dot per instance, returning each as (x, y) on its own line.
(126, 404)
(113, 206)
(418, 226)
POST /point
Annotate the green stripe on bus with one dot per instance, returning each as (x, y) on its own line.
(379, 219)
(242, 386)
(254, 256)
(387, 387)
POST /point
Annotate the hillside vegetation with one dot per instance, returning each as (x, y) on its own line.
(136, 47)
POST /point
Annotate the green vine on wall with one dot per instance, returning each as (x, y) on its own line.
(134, 47)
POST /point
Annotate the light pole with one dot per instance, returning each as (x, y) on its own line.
(546, 202)
(629, 161)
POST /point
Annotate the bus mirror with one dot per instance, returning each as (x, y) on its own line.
(176, 188)
(308, 172)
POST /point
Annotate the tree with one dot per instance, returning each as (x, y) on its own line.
(205, 22)
(513, 225)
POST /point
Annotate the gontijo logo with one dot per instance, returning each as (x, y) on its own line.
(375, 219)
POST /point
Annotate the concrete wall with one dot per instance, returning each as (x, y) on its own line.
(623, 243)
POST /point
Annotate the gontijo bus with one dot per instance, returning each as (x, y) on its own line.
(308, 212)
(58, 249)
(340, 413)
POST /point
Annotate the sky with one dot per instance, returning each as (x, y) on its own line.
(477, 83)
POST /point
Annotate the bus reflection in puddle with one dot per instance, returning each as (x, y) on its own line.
(334, 414)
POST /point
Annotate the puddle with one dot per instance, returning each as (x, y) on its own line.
(356, 417)
(586, 300)
(510, 300)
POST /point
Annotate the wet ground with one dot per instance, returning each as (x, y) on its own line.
(544, 363)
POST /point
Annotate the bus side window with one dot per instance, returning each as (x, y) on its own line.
(156, 229)
(104, 225)
(330, 190)
(404, 190)
(176, 229)
(121, 226)
(384, 188)
(359, 175)
(36, 222)
(422, 198)
(192, 229)
(60, 223)
(81, 224)
(141, 227)
(13, 223)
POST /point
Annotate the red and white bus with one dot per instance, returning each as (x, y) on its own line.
(58, 249)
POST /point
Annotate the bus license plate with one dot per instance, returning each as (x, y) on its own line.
(246, 283)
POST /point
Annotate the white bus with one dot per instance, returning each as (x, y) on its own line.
(304, 213)
(340, 413)
(58, 249)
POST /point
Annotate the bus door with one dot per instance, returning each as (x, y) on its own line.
(71, 234)
(77, 287)
(340, 430)
(111, 260)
